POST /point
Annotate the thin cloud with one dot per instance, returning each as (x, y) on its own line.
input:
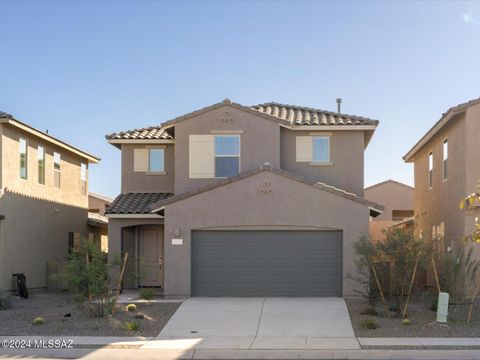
(470, 19)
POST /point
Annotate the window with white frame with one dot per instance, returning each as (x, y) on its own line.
(83, 178)
(227, 155)
(23, 158)
(56, 169)
(445, 159)
(41, 164)
(430, 170)
(156, 160)
(321, 149)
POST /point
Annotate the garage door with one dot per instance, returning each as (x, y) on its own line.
(267, 263)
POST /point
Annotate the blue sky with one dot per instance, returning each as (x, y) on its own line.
(86, 69)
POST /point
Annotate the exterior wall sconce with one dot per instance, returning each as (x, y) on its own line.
(177, 232)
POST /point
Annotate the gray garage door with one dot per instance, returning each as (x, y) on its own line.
(267, 263)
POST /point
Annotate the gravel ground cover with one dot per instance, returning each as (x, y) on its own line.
(423, 322)
(54, 308)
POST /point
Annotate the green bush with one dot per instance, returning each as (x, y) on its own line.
(369, 311)
(147, 293)
(369, 324)
(4, 300)
(38, 321)
(406, 322)
(131, 326)
(131, 307)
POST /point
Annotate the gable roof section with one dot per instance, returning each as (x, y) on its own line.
(6, 118)
(158, 206)
(288, 116)
(135, 203)
(389, 181)
(446, 117)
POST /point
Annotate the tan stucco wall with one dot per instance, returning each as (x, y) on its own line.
(392, 195)
(440, 204)
(34, 231)
(141, 181)
(291, 204)
(346, 154)
(70, 192)
(97, 203)
(260, 142)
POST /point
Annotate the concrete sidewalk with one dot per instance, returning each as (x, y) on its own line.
(127, 354)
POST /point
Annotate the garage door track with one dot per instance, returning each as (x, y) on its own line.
(259, 323)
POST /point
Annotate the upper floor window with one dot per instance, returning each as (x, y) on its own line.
(430, 170)
(56, 170)
(321, 149)
(41, 164)
(83, 178)
(23, 158)
(445, 159)
(156, 160)
(313, 149)
(227, 155)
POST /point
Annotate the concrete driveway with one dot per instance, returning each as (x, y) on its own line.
(259, 323)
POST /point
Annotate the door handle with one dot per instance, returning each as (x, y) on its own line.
(160, 263)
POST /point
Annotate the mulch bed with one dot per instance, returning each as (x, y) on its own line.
(422, 318)
(53, 307)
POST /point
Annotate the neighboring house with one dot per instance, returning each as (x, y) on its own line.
(397, 198)
(43, 200)
(447, 168)
(97, 221)
(233, 200)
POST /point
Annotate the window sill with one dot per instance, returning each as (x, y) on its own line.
(320, 163)
(156, 173)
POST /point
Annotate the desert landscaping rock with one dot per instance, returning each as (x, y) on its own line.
(53, 307)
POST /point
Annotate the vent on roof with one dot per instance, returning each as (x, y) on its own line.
(339, 105)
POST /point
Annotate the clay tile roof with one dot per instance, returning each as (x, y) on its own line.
(153, 132)
(5, 115)
(135, 203)
(300, 115)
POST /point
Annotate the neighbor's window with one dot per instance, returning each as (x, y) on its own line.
(156, 160)
(445, 159)
(83, 178)
(23, 158)
(430, 170)
(41, 164)
(227, 155)
(321, 149)
(56, 169)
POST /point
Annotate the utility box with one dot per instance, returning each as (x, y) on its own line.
(442, 307)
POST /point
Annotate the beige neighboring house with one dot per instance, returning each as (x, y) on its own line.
(43, 200)
(97, 221)
(447, 168)
(234, 200)
(397, 198)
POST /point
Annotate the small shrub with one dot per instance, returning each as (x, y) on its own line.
(393, 307)
(4, 300)
(140, 316)
(369, 324)
(38, 321)
(369, 311)
(147, 293)
(406, 322)
(131, 326)
(131, 307)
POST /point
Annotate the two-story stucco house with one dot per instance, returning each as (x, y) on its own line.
(233, 200)
(447, 168)
(43, 200)
(397, 198)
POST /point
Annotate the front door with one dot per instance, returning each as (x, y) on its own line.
(151, 256)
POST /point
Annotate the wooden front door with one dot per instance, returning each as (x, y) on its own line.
(151, 256)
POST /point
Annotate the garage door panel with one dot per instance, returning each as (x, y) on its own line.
(266, 263)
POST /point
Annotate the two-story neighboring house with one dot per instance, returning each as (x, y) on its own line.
(397, 198)
(447, 168)
(233, 200)
(43, 200)
(97, 221)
